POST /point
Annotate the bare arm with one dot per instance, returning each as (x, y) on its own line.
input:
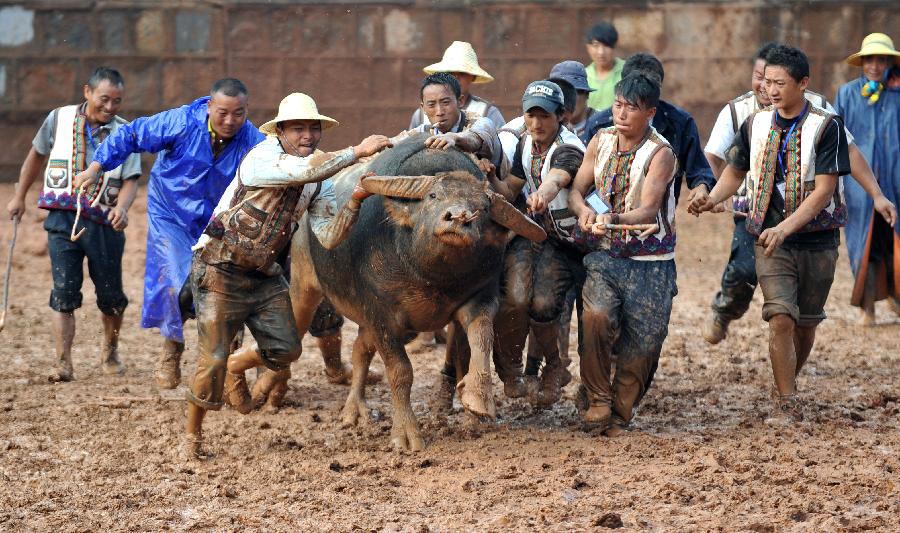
(31, 168)
(557, 179)
(659, 175)
(716, 163)
(771, 238)
(118, 216)
(584, 179)
(862, 173)
(728, 183)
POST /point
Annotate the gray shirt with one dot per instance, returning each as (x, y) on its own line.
(43, 142)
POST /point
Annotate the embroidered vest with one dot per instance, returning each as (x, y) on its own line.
(257, 226)
(799, 159)
(741, 108)
(619, 178)
(69, 157)
(561, 222)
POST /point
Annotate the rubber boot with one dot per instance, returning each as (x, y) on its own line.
(168, 367)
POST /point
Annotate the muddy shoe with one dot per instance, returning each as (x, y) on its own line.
(237, 394)
(552, 381)
(63, 371)
(788, 411)
(521, 386)
(168, 367)
(110, 362)
(716, 330)
(598, 416)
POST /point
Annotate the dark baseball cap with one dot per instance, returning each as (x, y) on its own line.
(572, 72)
(544, 94)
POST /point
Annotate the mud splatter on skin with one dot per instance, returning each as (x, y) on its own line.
(700, 458)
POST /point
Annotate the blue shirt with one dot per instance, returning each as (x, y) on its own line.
(678, 127)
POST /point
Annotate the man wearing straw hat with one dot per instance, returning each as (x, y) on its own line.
(235, 276)
(62, 147)
(871, 111)
(630, 279)
(460, 61)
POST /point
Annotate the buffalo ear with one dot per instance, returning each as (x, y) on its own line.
(503, 213)
(410, 187)
(398, 213)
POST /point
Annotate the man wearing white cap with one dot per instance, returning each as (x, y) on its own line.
(235, 277)
(461, 61)
(871, 111)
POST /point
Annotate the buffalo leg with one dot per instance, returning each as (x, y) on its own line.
(476, 316)
(405, 433)
(355, 406)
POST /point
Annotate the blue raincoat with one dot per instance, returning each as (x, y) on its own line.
(185, 185)
(876, 132)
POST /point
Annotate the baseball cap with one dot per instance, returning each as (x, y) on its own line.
(544, 94)
(572, 72)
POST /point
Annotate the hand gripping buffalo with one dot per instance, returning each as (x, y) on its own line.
(428, 250)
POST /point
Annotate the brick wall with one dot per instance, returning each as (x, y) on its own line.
(362, 61)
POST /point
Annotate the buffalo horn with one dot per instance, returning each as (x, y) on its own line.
(503, 213)
(412, 187)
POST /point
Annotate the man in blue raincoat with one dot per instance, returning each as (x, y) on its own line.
(870, 106)
(200, 146)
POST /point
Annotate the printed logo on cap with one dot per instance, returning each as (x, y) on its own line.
(542, 89)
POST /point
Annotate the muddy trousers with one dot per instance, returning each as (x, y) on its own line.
(536, 279)
(627, 304)
(226, 299)
(739, 278)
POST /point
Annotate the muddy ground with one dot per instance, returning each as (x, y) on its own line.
(82, 457)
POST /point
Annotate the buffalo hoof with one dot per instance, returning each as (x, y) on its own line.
(407, 438)
(353, 411)
(476, 394)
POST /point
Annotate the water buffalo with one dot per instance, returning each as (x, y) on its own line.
(428, 250)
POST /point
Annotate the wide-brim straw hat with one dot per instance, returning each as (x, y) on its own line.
(460, 57)
(875, 44)
(297, 106)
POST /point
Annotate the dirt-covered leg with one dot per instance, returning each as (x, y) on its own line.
(476, 316)
(355, 407)
(405, 434)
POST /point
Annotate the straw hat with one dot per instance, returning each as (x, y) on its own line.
(875, 44)
(297, 106)
(460, 57)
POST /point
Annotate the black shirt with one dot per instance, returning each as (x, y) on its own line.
(832, 157)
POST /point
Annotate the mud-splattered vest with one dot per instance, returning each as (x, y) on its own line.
(799, 159)
(619, 178)
(68, 157)
(561, 224)
(257, 225)
(741, 108)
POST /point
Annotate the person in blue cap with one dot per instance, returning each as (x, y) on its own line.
(574, 74)
(199, 147)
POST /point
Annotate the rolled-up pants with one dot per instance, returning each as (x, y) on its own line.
(627, 304)
(226, 299)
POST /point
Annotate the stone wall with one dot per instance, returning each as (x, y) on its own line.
(362, 61)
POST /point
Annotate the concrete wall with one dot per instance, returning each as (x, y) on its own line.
(362, 61)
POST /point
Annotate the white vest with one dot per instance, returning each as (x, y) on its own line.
(741, 108)
(563, 221)
(58, 191)
(800, 173)
(661, 245)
